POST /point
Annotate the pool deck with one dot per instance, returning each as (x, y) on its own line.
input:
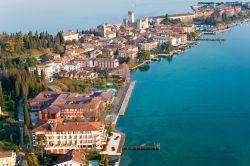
(127, 98)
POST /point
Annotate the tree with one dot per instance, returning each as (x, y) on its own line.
(17, 89)
(224, 17)
(44, 58)
(32, 160)
(169, 47)
(42, 76)
(104, 159)
(41, 143)
(26, 135)
(9, 47)
(25, 90)
(26, 113)
(25, 163)
(1, 95)
(143, 55)
(19, 46)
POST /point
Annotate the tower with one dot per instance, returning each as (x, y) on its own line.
(131, 16)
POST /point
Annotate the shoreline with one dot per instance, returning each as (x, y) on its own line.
(190, 45)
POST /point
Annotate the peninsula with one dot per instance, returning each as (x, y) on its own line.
(61, 96)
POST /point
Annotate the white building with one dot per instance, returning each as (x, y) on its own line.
(71, 66)
(7, 158)
(106, 30)
(148, 46)
(70, 35)
(161, 39)
(62, 137)
(131, 16)
(48, 68)
(107, 63)
(175, 41)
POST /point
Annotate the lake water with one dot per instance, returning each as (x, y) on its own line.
(197, 107)
(56, 15)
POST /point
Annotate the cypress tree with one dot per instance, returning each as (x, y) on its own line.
(26, 112)
(17, 89)
(26, 135)
(1, 95)
(42, 76)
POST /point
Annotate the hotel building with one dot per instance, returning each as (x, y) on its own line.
(62, 137)
(7, 158)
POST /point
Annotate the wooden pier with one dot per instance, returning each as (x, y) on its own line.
(127, 98)
(211, 39)
(143, 147)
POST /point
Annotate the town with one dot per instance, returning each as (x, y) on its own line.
(67, 98)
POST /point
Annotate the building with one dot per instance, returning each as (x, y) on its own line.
(105, 30)
(49, 69)
(131, 16)
(71, 66)
(129, 51)
(71, 158)
(7, 158)
(148, 46)
(175, 40)
(70, 35)
(188, 28)
(183, 38)
(56, 105)
(65, 136)
(161, 39)
(54, 56)
(130, 22)
(78, 74)
(106, 63)
(185, 18)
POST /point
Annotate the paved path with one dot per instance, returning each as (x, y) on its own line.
(21, 120)
(126, 99)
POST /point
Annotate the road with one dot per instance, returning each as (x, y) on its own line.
(21, 120)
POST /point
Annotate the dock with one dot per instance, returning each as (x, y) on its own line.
(143, 147)
(211, 39)
(127, 98)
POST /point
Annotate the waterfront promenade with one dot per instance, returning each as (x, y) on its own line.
(126, 99)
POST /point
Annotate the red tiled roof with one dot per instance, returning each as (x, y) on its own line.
(69, 126)
(73, 155)
(6, 154)
(106, 96)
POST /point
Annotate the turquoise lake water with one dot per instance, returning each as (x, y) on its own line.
(197, 107)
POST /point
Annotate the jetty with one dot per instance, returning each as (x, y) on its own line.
(211, 39)
(143, 147)
(127, 98)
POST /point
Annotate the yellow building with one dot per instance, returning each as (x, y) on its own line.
(185, 18)
(7, 158)
(188, 28)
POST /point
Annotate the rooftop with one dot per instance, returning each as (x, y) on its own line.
(49, 126)
(72, 155)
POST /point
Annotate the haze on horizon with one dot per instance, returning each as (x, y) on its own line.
(56, 15)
